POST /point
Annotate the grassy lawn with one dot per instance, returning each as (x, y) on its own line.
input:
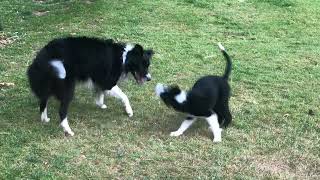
(275, 91)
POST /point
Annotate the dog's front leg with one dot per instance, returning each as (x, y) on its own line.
(215, 127)
(100, 100)
(184, 126)
(117, 92)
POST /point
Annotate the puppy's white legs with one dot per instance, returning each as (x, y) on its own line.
(184, 126)
(66, 128)
(100, 100)
(43, 110)
(215, 127)
(116, 92)
(44, 115)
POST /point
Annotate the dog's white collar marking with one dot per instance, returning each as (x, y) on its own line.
(180, 98)
(128, 48)
(58, 66)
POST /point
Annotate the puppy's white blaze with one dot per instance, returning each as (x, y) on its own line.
(58, 66)
(148, 76)
(159, 89)
(128, 48)
(66, 128)
(180, 98)
(221, 47)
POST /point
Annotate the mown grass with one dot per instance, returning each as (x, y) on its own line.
(275, 99)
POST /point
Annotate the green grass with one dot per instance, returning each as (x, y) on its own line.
(275, 83)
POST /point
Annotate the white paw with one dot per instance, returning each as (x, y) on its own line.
(217, 140)
(70, 133)
(46, 120)
(103, 106)
(175, 133)
(129, 111)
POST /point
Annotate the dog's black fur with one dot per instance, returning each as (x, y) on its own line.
(83, 58)
(210, 94)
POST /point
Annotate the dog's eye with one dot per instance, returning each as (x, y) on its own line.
(146, 63)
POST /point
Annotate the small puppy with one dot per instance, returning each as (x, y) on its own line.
(64, 62)
(208, 98)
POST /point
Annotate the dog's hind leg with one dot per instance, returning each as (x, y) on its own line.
(65, 100)
(184, 126)
(227, 117)
(64, 120)
(224, 114)
(43, 110)
(100, 100)
(215, 127)
(116, 92)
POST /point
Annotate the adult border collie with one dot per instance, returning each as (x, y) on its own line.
(63, 62)
(208, 98)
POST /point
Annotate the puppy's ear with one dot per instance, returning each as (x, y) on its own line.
(138, 49)
(109, 41)
(148, 53)
(174, 90)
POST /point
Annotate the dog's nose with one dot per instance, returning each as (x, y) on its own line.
(148, 77)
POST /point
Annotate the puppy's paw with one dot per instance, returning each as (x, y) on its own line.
(129, 111)
(70, 133)
(175, 133)
(103, 106)
(216, 140)
(45, 120)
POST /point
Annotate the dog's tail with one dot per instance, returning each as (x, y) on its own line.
(40, 72)
(229, 63)
(57, 69)
(172, 96)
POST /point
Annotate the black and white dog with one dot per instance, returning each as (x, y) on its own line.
(63, 62)
(208, 98)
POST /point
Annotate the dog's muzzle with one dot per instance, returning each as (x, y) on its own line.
(142, 79)
(148, 77)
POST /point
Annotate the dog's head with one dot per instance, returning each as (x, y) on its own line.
(168, 93)
(137, 62)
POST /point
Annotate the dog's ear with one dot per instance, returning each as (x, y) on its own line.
(109, 41)
(138, 49)
(148, 53)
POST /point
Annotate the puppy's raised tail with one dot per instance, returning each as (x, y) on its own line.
(229, 63)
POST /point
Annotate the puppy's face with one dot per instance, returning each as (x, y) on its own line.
(138, 62)
(167, 94)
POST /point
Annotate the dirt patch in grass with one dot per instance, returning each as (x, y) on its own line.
(39, 1)
(272, 165)
(6, 40)
(275, 165)
(40, 13)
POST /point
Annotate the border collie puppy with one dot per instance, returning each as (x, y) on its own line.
(208, 98)
(63, 62)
